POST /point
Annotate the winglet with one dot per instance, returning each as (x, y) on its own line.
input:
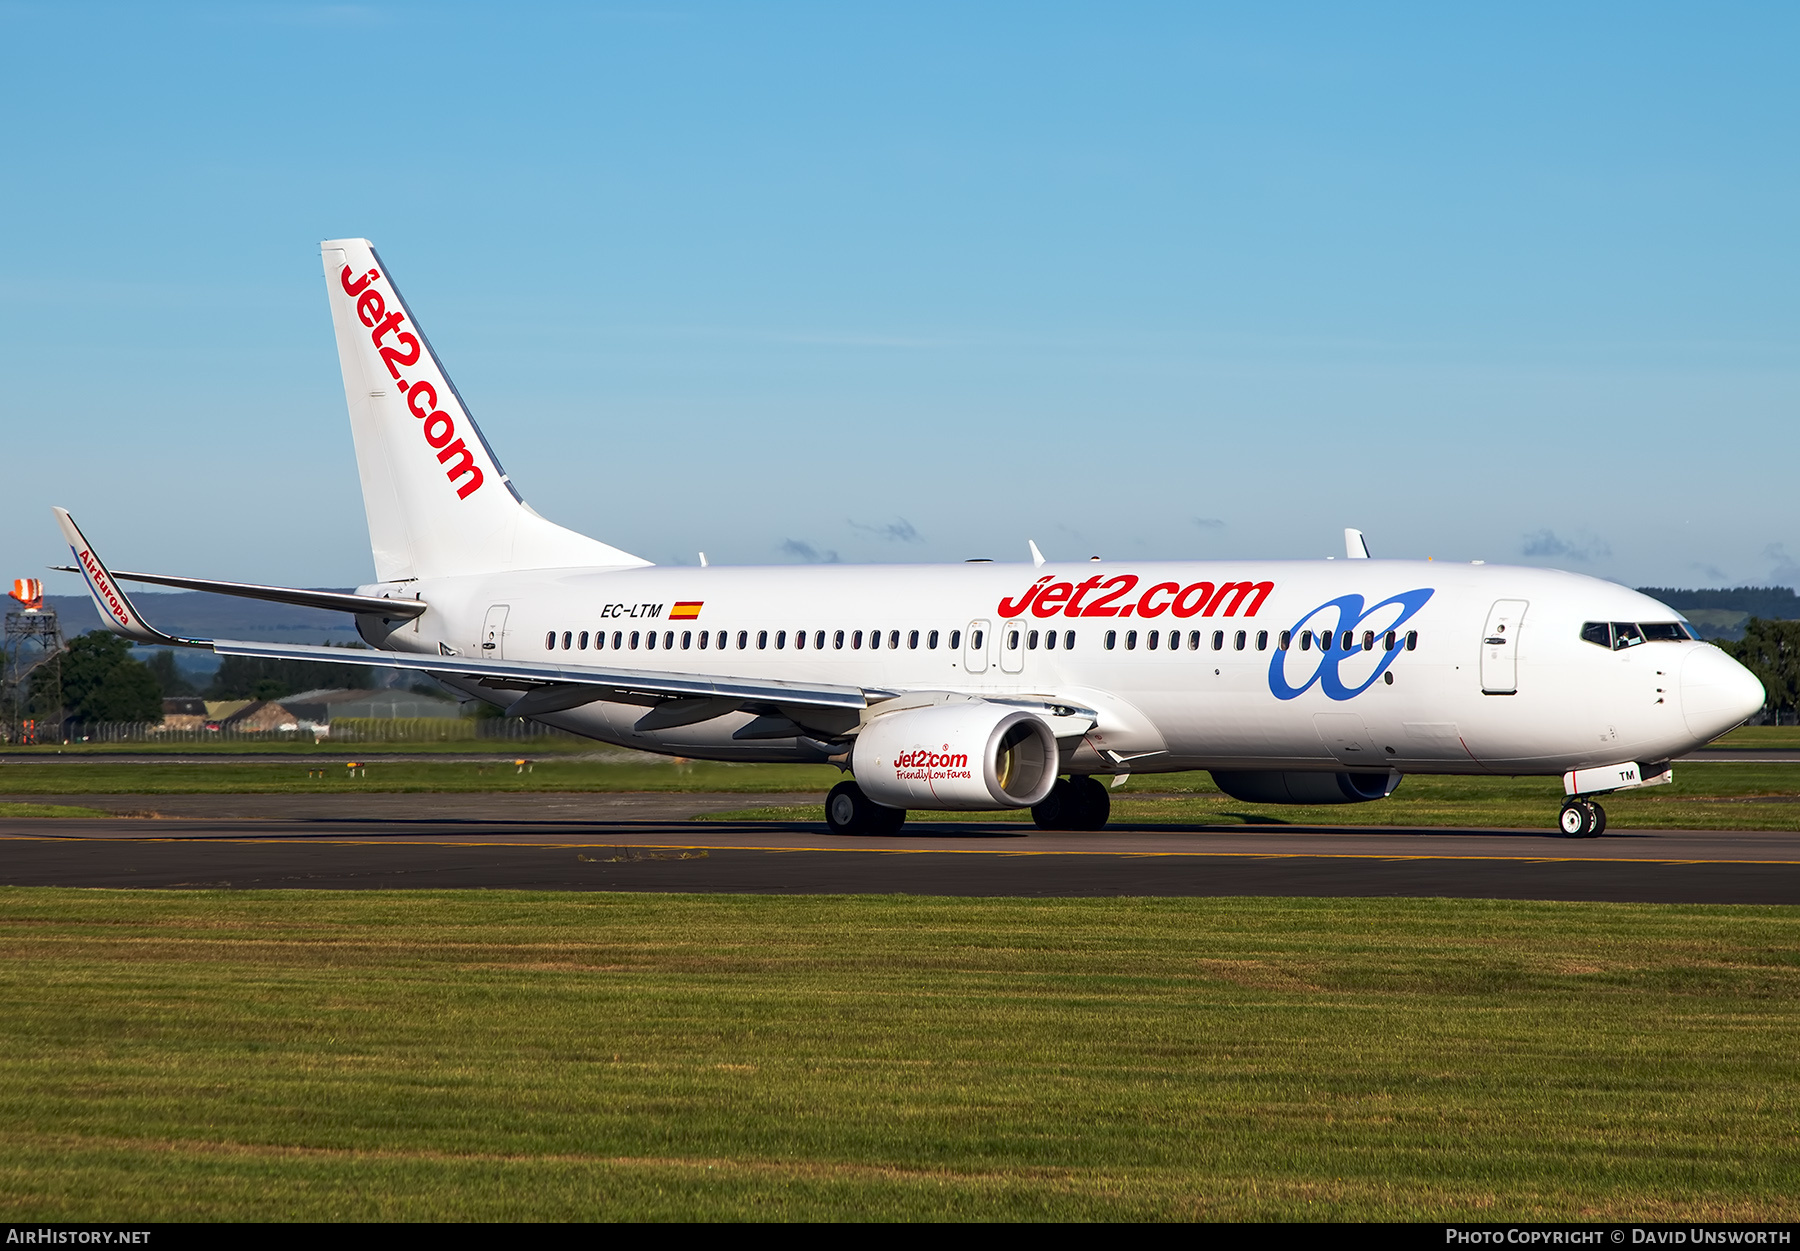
(1037, 557)
(1355, 546)
(116, 609)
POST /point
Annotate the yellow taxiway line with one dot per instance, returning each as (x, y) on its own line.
(893, 851)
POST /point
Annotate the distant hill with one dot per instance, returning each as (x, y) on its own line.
(199, 615)
(1723, 613)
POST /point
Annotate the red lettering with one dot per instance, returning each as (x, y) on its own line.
(388, 323)
(408, 354)
(1146, 609)
(1080, 590)
(92, 565)
(1199, 594)
(370, 307)
(421, 408)
(440, 421)
(356, 287)
(1051, 598)
(1009, 609)
(1238, 590)
(466, 465)
(1121, 584)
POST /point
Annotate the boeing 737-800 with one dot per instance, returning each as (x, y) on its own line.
(978, 686)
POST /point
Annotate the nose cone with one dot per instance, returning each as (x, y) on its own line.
(1717, 693)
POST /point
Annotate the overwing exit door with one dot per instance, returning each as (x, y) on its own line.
(493, 634)
(1500, 647)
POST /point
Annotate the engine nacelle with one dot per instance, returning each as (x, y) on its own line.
(972, 756)
(1294, 787)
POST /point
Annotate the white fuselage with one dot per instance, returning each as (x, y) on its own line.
(1444, 699)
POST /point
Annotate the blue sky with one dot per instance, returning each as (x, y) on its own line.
(784, 282)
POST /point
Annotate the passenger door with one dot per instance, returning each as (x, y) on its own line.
(1500, 647)
(975, 647)
(493, 634)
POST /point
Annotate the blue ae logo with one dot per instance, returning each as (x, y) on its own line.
(1342, 646)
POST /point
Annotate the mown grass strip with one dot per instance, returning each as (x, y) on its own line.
(484, 1055)
(49, 810)
(398, 776)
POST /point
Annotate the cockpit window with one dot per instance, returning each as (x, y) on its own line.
(1619, 635)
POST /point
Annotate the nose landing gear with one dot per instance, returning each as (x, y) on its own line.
(1582, 818)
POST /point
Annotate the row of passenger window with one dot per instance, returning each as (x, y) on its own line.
(1324, 639)
(624, 640)
(1619, 635)
(1049, 640)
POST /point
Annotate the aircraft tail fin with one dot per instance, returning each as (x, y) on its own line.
(437, 500)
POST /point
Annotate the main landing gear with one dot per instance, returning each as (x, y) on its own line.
(1077, 803)
(849, 811)
(1582, 818)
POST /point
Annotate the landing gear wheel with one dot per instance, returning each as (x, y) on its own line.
(1055, 810)
(1078, 803)
(1577, 819)
(1599, 820)
(849, 811)
(1093, 803)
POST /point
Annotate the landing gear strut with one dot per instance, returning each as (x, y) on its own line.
(849, 811)
(1077, 803)
(1582, 818)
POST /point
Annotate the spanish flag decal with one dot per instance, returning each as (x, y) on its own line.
(687, 610)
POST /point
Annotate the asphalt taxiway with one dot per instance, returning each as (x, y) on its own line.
(652, 842)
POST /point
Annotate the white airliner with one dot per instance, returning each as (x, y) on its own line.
(978, 686)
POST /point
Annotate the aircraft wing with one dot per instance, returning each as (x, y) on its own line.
(335, 601)
(547, 687)
(675, 698)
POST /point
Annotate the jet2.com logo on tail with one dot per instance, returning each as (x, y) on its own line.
(1342, 647)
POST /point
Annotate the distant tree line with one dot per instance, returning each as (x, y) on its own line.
(1777, 603)
(102, 682)
(1771, 650)
(258, 677)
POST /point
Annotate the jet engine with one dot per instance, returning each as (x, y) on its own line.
(1293, 787)
(963, 757)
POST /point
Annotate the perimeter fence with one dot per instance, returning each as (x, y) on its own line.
(343, 730)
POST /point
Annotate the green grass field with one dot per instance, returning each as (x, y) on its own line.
(48, 810)
(495, 1056)
(1767, 737)
(27, 777)
(547, 745)
(1706, 795)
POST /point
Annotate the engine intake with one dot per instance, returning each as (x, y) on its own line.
(972, 756)
(1294, 787)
